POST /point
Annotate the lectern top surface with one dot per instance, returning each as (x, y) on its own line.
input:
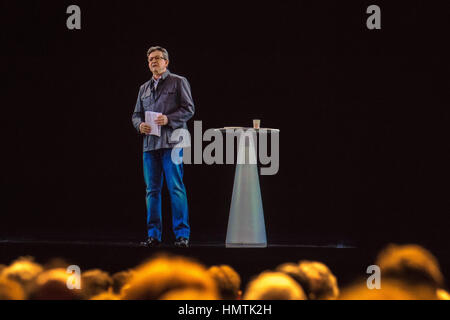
(246, 128)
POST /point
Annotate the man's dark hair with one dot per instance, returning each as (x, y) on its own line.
(158, 48)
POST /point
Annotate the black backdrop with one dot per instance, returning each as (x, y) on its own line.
(363, 116)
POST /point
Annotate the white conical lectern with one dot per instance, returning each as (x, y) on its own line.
(246, 227)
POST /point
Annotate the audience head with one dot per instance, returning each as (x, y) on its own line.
(274, 286)
(292, 270)
(154, 279)
(442, 294)
(52, 285)
(24, 271)
(227, 280)
(95, 282)
(10, 290)
(411, 264)
(2, 266)
(120, 279)
(56, 263)
(189, 294)
(390, 290)
(317, 280)
(108, 295)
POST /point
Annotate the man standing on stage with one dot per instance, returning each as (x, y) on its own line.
(170, 95)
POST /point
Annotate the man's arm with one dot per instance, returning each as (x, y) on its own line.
(186, 109)
(138, 113)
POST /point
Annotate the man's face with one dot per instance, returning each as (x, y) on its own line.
(157, 63)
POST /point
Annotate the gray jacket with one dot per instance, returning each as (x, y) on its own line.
(173, 98)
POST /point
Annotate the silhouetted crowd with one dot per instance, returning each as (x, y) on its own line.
(408, 272)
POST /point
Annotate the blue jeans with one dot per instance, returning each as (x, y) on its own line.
(156, 163)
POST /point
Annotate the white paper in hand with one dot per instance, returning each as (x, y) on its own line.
(150, 118)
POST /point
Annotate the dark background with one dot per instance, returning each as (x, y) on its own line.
(363, 116)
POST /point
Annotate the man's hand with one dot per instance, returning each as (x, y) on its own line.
(145, 128)
(161, 120)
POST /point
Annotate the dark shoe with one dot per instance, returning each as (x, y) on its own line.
(151, 242)
(182, 243)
